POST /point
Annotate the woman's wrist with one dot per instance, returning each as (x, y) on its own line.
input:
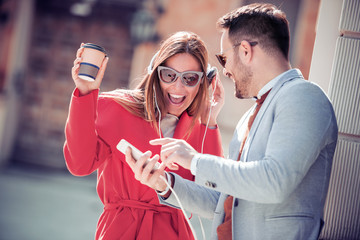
(83, 92)
(211, 124)
(166, 192)
(165, 187)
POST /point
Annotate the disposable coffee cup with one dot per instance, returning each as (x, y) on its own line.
(92, 58)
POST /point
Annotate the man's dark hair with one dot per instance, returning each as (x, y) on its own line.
(263, 23)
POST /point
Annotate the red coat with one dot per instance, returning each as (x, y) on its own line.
(131, 209)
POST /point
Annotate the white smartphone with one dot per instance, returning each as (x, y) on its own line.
(136, 153)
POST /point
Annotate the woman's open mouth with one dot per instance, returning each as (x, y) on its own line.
(176, 99)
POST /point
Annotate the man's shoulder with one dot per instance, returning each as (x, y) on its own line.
(301, 93)
(301, 86)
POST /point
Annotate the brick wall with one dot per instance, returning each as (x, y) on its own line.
(48, 84)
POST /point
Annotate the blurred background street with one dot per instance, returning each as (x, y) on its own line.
(40, 203)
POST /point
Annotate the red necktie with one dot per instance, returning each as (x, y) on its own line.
(224, 230)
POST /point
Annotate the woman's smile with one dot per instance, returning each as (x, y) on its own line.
(176, 99)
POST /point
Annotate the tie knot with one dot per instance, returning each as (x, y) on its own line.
(262, 98)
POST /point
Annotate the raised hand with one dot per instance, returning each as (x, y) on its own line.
(216, 102)
(86, 86)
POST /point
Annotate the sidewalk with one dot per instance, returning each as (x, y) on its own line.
(39, 204)
(44, 204)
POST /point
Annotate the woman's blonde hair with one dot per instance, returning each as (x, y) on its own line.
(141, 100)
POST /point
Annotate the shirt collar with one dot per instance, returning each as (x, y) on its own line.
(269, 85)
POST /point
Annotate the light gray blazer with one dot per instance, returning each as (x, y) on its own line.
(280, 183)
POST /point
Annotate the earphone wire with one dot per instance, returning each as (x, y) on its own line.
(202, 149)
(208, 120)
(167, 184)
(181, 207)
(157, 107)
(203, 142)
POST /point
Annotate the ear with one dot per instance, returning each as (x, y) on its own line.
(245, 51)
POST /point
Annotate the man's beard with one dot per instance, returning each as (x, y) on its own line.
(243, 80)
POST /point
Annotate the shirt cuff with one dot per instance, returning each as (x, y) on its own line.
(194, 162)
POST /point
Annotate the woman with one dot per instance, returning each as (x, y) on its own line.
(175, 92)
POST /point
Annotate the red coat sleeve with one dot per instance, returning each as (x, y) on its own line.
(84, 151)
(212, 141)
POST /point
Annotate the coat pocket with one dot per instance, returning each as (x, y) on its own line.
(291, 216)
(293, 226)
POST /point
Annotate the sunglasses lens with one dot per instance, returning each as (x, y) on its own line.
(167, 75)
(190, 79)
(221, 59)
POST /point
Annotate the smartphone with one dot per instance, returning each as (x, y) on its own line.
(136, 153)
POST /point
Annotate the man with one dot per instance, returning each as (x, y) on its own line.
(274, 185)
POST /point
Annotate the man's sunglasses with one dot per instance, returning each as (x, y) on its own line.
(222, 58)
(169, 75)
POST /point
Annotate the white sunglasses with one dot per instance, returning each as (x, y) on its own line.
(188, 78)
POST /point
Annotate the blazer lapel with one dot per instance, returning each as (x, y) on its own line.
(292, 74)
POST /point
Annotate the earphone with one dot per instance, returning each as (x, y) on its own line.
(210, 73)
(149, 68)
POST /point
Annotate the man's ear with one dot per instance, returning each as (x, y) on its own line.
(245, 51)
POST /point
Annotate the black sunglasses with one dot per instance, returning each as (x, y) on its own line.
(222, 58)
(189, 78)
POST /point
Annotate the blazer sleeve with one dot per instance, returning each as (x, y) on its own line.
(196, 199)
(84, 150)
(193, 197)
(295, 129)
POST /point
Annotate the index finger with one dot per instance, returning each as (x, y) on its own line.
(79, 51)
(162, 141)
